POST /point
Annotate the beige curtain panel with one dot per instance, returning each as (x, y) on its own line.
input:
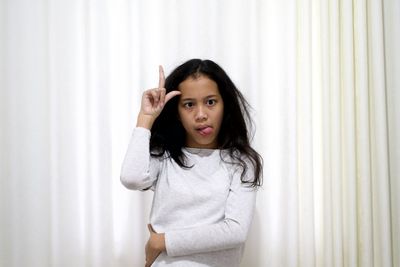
(322, 78)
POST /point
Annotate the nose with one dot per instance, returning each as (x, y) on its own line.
(201, 114)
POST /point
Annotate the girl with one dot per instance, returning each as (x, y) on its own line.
(191, 147)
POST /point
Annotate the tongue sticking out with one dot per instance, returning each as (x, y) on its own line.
(206, 130)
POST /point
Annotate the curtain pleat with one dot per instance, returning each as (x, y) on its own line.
(304, 137)
(379, 141)
(391, 22)
(364, 184)
(348, 131)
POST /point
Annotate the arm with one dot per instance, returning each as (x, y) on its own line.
(137, 172)
(230, 233)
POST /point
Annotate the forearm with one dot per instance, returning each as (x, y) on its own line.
(225, 235)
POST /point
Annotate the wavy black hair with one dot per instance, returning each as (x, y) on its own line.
(168, 135)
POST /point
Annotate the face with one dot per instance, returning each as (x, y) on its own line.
(201, 110)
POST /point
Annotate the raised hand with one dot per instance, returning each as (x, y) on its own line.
(153, 102)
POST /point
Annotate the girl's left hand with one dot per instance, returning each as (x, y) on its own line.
(155, 245)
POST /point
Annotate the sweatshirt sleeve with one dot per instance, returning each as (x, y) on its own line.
(230, 233)
(139, 171)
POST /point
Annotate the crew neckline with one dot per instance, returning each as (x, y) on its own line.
(201, 151)
(195, 149)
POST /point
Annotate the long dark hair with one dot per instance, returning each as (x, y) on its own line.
(168, 134)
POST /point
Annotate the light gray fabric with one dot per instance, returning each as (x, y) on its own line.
(205, 211)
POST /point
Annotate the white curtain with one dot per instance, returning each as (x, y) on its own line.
(322, 77)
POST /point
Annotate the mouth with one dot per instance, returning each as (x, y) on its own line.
(204, 130)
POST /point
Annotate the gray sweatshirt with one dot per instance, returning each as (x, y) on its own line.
(205, 211)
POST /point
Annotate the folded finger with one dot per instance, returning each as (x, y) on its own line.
(156, 96)
(171, 95)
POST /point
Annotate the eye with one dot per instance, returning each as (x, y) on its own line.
(211, 102)
(188, 104)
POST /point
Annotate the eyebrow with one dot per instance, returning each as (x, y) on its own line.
(209, 96)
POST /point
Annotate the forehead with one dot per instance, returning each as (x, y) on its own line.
(198, 87)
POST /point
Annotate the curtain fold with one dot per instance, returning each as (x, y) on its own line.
(391, 32)
(321, 76)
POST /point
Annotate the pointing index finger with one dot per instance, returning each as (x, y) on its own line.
(161, 81)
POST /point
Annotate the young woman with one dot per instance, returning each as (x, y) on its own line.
(191, 147)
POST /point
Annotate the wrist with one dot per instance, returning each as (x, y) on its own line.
(145, 121)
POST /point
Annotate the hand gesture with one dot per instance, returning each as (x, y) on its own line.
(153, 101)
